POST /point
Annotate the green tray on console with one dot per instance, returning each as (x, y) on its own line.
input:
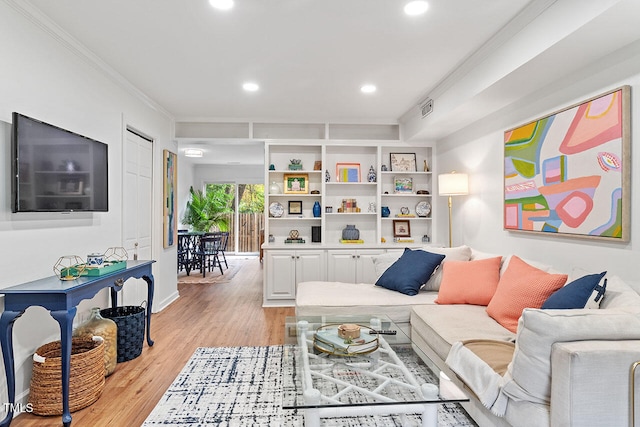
(109, 267)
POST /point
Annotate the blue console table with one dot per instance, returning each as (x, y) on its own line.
(61, 299)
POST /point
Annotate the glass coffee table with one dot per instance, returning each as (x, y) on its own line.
(344, 366)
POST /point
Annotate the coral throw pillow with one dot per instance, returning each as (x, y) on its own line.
(469, 282)
(521, 286)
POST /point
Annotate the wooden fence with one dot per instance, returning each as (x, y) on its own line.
(249, 228)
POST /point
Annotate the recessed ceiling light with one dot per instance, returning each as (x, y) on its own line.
(368, 88)
(221, 4)
(416, 8)
(193, 152)
(250, 87)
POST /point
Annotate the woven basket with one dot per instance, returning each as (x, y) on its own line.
(86, 376)
(130, 322)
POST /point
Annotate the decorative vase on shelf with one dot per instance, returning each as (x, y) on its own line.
(327, 177)
(385, 211)
(371, 177)
(316, 209)
(350, 232)
(274, 188)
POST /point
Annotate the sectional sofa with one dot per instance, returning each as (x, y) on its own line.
(479, 318)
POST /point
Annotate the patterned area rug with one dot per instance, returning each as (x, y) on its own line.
(241, 386)
(213, 276)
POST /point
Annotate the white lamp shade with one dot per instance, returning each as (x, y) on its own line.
(453, 184)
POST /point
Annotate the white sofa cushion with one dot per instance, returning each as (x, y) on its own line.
(443, 325)
(328, 298)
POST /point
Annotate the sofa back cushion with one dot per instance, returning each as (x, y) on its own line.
(620, 295)
(469, 282)
(458, 253)
(521, 286)
(529, 374)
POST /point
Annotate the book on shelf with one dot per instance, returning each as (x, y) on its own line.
(405, 216)
(294, 241)
(403, 240)
(351, 241)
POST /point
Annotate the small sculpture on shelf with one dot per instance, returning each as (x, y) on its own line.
(295, 164)
(371, 176)
(327, 176)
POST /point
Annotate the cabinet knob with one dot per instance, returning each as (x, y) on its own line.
(353, 256)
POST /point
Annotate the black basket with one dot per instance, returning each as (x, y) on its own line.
(130, 322)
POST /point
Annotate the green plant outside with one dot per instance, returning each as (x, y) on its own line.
(208, 210)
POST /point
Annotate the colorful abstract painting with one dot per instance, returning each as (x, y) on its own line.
(170, 201)
(568, 173)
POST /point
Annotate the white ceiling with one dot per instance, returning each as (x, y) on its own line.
(310, 57)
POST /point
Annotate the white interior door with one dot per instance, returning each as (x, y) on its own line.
(137, 195)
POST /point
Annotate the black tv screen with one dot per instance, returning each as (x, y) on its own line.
(55, 170)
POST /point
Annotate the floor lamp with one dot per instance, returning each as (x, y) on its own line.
(452, 184)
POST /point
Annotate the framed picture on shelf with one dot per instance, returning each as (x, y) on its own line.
(70, 186)
(403, 162)
(348, 172)
(402, 185)
(401, 228)
(296, 183)
(295, 207)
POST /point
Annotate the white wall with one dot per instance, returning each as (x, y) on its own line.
(46, 79)
(478, 150)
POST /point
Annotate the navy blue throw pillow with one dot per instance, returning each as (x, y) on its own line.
(410, 271)
(577, 293)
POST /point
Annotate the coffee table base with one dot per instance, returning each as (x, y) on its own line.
(313, 396)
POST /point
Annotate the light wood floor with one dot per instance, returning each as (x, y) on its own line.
(205, 315)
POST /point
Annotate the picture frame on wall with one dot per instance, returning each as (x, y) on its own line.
(403, 162)
(170, 208)
(296, 183)
(568, 173)
(401, 228)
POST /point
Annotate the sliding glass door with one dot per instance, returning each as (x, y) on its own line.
(244, 216)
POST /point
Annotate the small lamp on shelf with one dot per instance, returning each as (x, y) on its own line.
(452, 184)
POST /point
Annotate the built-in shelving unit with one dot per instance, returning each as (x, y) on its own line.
(358, 202)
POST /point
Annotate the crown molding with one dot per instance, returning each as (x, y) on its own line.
(44, 23)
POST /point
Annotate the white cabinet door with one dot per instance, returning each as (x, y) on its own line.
(341, 266)
(365, 270)
(281, 275)
(285, 269)
(352, 266)
(310, 266)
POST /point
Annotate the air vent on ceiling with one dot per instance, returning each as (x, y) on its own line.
(426, 107)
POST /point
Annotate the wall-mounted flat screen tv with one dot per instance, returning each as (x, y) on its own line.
(55, 170)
